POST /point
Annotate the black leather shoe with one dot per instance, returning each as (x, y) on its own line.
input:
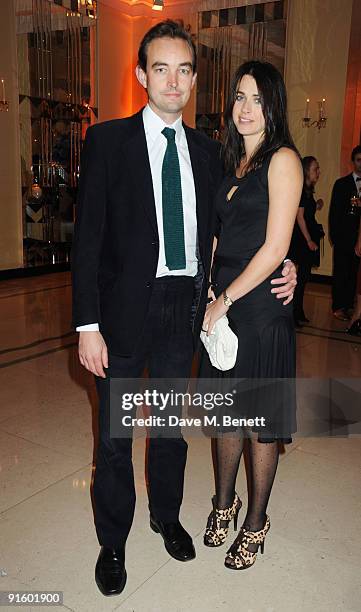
(177, 541)
(355, 328)
(110, 574)
(341, 315)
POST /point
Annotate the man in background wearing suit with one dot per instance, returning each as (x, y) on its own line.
(343, 227)
(141, 259)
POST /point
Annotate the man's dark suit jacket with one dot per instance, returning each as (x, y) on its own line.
(343, 227)
(116, 242)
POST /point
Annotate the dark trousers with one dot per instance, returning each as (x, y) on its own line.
(345, 266)
(303, 275)
(166, 350)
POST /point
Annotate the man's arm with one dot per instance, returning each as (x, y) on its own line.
(89, 327)
(88, 232)
(88, 236)
(287, 283)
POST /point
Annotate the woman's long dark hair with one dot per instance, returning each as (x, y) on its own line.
(272, 91)
(306, 164)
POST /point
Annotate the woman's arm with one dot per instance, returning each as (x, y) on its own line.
(303, 227)
(285, 180)
(285, 187)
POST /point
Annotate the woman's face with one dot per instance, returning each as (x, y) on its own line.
(314, 172)
(247, 110)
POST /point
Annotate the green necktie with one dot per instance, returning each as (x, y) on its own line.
(173, 224)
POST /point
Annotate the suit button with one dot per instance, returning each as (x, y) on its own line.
(156, 243)
(149, 284)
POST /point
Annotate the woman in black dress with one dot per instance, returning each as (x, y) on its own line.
(256, 207)
(306, 237)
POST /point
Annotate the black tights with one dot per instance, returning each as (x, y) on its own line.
(262, 469)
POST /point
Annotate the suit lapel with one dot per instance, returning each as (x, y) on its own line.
(137, 154)
(200, 167)
(352, 184)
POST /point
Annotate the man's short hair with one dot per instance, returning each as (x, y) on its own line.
(165, 29)
(355, 151)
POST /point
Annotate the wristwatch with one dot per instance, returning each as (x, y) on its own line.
(226, 299)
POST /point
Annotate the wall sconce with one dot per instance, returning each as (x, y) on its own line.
(4, 105)
(91, 9)
(322, 119)
(158, 5)
(88, 5)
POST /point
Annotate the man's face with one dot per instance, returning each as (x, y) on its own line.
(357, 163)
(169, 77)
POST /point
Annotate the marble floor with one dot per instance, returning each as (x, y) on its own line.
(47, 541)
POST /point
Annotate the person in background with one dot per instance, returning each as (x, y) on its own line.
(343, 227)
(306, 235)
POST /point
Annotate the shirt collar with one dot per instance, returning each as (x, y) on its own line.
(355, 176)
(153, 125)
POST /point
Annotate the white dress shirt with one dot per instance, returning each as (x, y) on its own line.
(357, 183)
(156, 145)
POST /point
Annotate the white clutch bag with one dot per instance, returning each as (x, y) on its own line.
(221, 345)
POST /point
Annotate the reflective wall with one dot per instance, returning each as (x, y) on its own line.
(57, 102)
(227, 37)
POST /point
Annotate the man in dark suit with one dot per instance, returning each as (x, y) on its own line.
(343, 226)
(141, 260)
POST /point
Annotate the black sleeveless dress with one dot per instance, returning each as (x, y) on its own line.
(264, 326)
